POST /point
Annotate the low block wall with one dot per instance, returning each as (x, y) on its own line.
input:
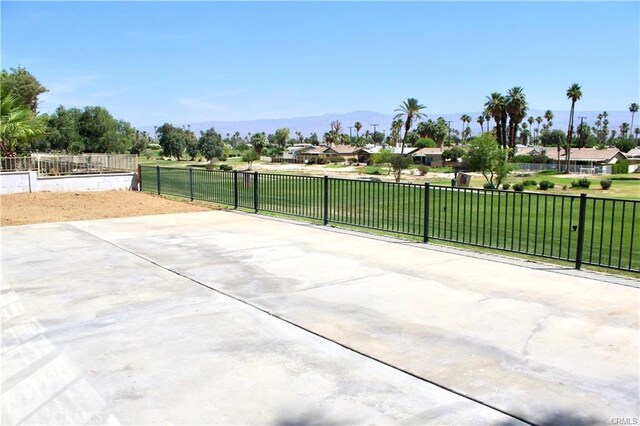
(14, 182)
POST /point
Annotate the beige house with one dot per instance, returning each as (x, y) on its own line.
(428, 157)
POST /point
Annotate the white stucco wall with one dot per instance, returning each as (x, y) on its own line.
(14, 182)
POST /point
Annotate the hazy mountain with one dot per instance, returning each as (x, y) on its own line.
(321, 124)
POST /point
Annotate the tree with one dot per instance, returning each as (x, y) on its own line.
(281, 137)
(259, 141)
(410, 110)
(396, 129)
(336, 127)
(465, 119)
(485, 156)
(436, 130)
(548, 116)
(624, 130)
(625, 144)
(357, 126)
(384, 156)
(170, 140)
(426, 143)
(453, 153)
(574, 93)
(399, 162)
(62, 130)
(210, 144)
(249, 157)
(531, 120)
(496, 106)
(480, 121)
(516, 106)
(633, 108)
(18, 124)
(23, 86)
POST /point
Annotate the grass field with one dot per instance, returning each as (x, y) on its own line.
(538, 224)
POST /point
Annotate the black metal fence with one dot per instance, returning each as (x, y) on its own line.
(577, 229)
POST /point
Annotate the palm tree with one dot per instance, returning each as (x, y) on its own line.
(574, 93)
(531, 120)
(633, 109)
(538, 121)
(495, 105)
(487, 118)
(516, 106)
(17, 124)
(548, 115)
(624, 130)
(480, 121)
(410, 111)
(357, 126)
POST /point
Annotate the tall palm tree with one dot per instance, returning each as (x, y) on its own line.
(495, 105)
(574, 93)
(624, 130)
(516, 106)
(487, 118)
(633, 109)
(531, 120)
(410, 111)
(17, 124)
(357, 126)
(538, 121)
(480, 121)
(465, 119)
(548, 115)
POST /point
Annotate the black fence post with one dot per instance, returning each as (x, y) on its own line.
(191, 182)
(255, 191)
(325, 201)
(581, 223)
(158, 178)
(139, 178)
(425, 225)
(235, 189)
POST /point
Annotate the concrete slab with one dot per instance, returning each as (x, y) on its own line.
(122, 310)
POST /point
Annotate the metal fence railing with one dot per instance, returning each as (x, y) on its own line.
(59, 165)
(573, 168)
(577, 229)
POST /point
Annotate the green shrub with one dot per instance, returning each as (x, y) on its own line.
(546, 184)
(506, 186)
(488, 185)
(605, 184)
(529, 182)
(423, 170)
(375, 172)
(621, 167)
(521, 159)
(226, 167)
(322, 159)
(518, 187)
(581, 183)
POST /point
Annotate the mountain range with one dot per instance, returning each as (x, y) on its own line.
(321, 124)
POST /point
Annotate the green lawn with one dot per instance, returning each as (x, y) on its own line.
(537, 223)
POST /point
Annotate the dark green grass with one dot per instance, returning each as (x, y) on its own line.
(536, 224)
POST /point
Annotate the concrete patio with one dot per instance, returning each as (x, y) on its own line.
(227, 318)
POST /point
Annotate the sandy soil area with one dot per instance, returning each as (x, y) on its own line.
(20, 209)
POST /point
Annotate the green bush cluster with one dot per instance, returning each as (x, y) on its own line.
(605, 184)
(546, 184)
(518, 187)
(529, 182)
(581, 183)
(488, 185)
(621, 167)
(226, 167)
(423, 170)
(506, 186)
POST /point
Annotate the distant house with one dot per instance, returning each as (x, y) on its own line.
(428, 157)
(633, 157)
(587, 157)
(345, 152)
(394, 149)
(294, 151)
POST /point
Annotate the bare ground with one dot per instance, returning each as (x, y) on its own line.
(21, 209)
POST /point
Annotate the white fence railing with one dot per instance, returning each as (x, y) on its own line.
(573, 168)
(58, 165)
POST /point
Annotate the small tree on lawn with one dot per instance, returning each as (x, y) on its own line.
(210, 144)
(249, 157)
(399, 162)
(485, 156)
(384, 156)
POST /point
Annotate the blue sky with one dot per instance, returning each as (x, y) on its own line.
(150, 62)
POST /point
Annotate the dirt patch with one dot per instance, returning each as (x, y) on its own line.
(21, 209)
